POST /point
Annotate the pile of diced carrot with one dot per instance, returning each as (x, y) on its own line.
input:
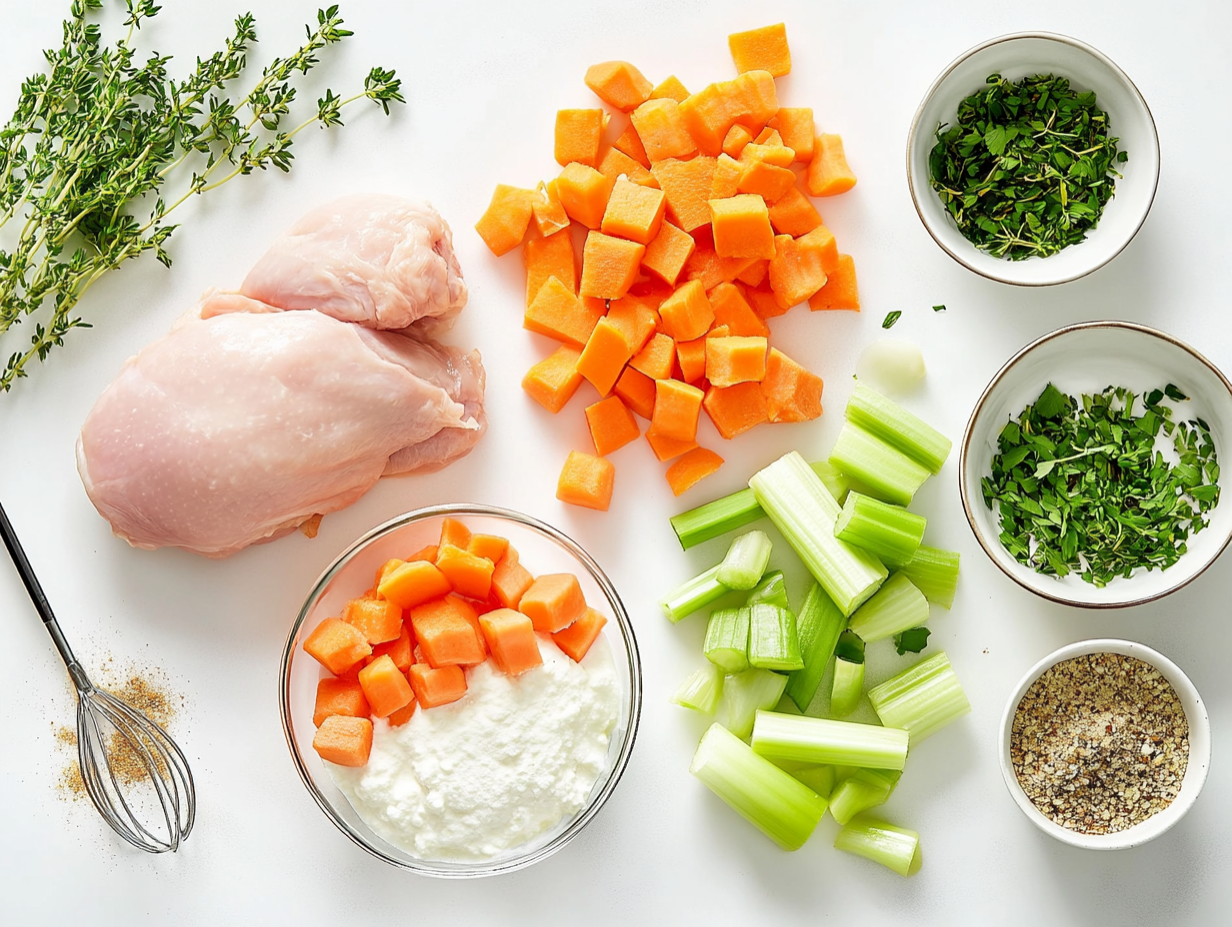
(406, 642)
(693, 230)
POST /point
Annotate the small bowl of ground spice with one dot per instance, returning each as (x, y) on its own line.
(1033, 159)
(1105, 744)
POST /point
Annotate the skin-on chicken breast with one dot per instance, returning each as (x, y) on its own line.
(239, 426)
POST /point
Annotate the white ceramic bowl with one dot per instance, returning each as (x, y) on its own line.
(1087, 358)
(1195, 772)
(1015, 57)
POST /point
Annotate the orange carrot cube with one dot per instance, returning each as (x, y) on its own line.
(636, 390)
(734, 141)
(576, 640)
(687, 313)
(488, 546)
(402, 715)
(604, 356)
(754, 274)
(677, 409)
(414, 582)
(828, 173)
(634, 213)
(548, 257)
(763, 49)
(840, 291)
(763, 301)
(736, 409)
(511, 639)
(733, 310)
(469, 574)
(385, 688)
(637, 319)
(686, 184)
(795, 125)
(670, 89)
(615, 162)
(741, 227)
(767, 181)
(586, 481)
(445, 631)
(384, 570)
(583, 192)
(630, 144)
(801, 265)
(735, 359)
(691, 469)
(611, 424)
(774, 155)
(503, 226)
(554, 602)
(344, 741)
(727, 174)
(794, 214)
(339, 697)
(691, 356)
(434, 686)
(656, 358)
(710, 269)
(453, 532)
(666, 448)
(549, 213)
(709, 114)
(662, 130)
(557, 313)
(618, 84)
(379, 620)
(510, 579)
(553, 381)
(578, 133)
(666, 255)
(609, 265)
(400, 650)
(792, 393)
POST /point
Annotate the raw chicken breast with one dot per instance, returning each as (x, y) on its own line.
(381, 261)
(239, 426)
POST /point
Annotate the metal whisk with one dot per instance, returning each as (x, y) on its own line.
(108, 727)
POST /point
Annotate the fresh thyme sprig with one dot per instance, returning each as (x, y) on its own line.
(94, 139)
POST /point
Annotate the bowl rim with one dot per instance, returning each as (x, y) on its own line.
(622, 620)
(965, 454)
(988, 273)
(1196, 715)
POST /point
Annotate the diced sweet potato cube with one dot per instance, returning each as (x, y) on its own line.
(636, 390)
(512, 641)
(767, 181)
(337, 645)
(670, 89)
(667, 253)
(797, 270)
(709, 269)
(662, 130)
(402, 715)
(578, 134)
(615, 162)
(828, 173)
(741, 227)
(794, 214)
(400, 650)
(687, 313)
(609, 265)
(691, 356)
(736, 409)
(427, 553)
(575, 640)
(709, 114)
(510, 579)
(445, 631)
(469, 574)
(489, 546)
(549, 213)
(618, 84)
(503, 226)
(733, 310)
(553, 381)
(691, 469)
(385, 688)
(792, 393)
(453, 532)
(677, 408)
(604, 357)
(611, 424)
(763, 301)
(795, 125)
(637, 319)
(775, 155)
(343, 740)
(735, 359)
(666, 448)
(734, 141)
(583, 191)
(339, 697)
(634, 213)
(840, 291)
(435, 686)
(557, 313)
(414, 582)
(763, 49)
(727, 174)
(586, 481)
(686, 184)
(630, 144)
(655, 360)
(554, 602)
(549, 257)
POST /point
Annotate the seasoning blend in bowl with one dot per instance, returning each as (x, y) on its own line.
(1105, 744)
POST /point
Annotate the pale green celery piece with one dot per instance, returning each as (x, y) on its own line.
(804, 511)
(772, 590)
(818, 740)
(921, 700)
(818, 627)
(785, 810)
(897, 606)
(896, 426)
(889, 531)
(842, 773)
(832, 478)
(864, 789)
(895, 848)
(935, 573)
(693, 595)
(747, 693)
(818, 778)
(848, 687)
(702, 690)
(773, 643)
(746, 561)
(727, 639)
(886, 472)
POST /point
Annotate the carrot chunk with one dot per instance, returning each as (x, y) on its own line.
(637, 319)
(736, 409)
(510, 579)
(662, 130)
(615, 162)
(670, 89)
(634, 213)
(734, 141)
(400, 650)
(795, 125)
(611, 424)
(754, 274)
(378, 620)
(636, 390)
(656, 358)
(549, 213)
(548, 257)
(797, 270)
(583, 192)
(575, 640)
(609, 265)
(337, 645)
(554, 602)
(666, 448)
(344, 741)
(557, 313)
(828, 173)
(453, 532)
(741, 227)
(735, 359)
(469, 574)
(840, 291)
(763, 49)
(677, 408)
(434, 686)
(733, 310)
(604, 357)
(630, 144)
(792, 393)
(767, 181)
(618, 84)
(385, 688)
(687, 313)
(794, 214)
(553, 381)
(511, 638)
(503, 226)
(727, 174)
(691, 356)
(339, 697)
(586, 481)
(578, 133)
(384, 570)
(445, 631)
(762, 300)
(709, 114)
(489, 546)
(709, 269)
(402, 715)
(686, 184)
(691, 469)
(774, 154)
(666, 255)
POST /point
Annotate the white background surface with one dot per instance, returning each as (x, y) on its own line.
(483, 83)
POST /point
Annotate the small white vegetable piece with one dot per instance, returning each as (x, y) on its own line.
(895, 367)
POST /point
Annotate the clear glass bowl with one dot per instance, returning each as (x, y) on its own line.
(544, 550)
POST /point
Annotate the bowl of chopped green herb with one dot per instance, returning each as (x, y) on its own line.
(1033, 159)
(1090, 466)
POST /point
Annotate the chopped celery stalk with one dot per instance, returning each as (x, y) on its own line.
(784, 810)
(921, 700)
(746, 561)
(848, 687)
(896, 426)
(747, 693)
(701, 691)
(885, 471)
(716, 518)
(727, 639)
(852, 796)
(772, 590)
(802, 508)
(897, 606)
(894, 847)
(773, 643)
(818, 778)
(693, 595)
(842, 773)
(889, 531)
(935, 573)
(818, 627)
(850, 647)
(818, 740)
(832, 478)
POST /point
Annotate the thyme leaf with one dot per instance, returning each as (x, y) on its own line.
(891, 318)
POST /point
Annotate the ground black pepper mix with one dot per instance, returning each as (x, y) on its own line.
(1100, 743)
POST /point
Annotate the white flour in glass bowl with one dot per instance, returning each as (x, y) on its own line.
(506, 762)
